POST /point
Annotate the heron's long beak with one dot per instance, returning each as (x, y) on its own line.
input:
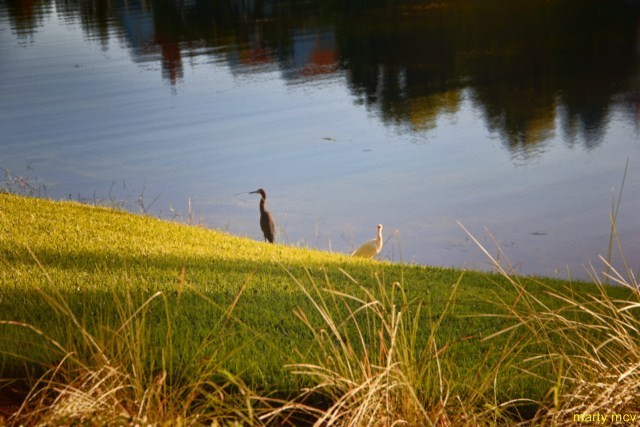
(253, 192)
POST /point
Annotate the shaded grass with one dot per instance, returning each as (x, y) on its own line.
(112, 376)
(76, 274)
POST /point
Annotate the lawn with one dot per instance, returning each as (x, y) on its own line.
(197, 310)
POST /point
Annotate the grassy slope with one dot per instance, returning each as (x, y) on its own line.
(97, 258)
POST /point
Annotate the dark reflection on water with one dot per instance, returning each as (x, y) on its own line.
(524, 63)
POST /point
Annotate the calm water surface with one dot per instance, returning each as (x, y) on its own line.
(516, 117)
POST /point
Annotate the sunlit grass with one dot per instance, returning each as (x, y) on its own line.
(89, 255)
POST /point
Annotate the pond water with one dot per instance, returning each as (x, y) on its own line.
(514, 118)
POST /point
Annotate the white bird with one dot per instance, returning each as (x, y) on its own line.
(370, 248)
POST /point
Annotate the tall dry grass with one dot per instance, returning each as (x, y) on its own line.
(372, 366)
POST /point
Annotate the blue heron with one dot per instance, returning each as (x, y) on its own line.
(266, 220)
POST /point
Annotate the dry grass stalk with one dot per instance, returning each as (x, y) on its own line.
(381, 375)
(592, 344)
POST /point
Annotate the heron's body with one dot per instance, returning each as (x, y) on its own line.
(370, 248)
(266, 220)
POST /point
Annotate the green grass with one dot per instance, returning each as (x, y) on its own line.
(76, 278)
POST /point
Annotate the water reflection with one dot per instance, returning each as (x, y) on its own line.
(531, 69)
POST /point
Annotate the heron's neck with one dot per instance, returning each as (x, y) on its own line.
(262, 205)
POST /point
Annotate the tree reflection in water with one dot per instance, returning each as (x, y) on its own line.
(524, 64)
